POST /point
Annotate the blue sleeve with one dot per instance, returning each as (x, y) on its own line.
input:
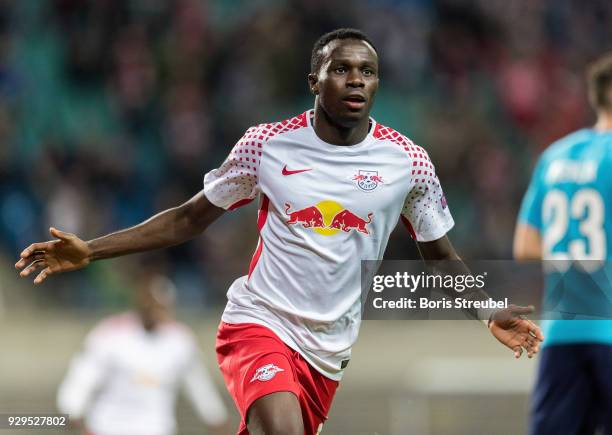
(531, 207)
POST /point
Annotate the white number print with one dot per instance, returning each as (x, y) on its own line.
(585, 206)
(555, 211)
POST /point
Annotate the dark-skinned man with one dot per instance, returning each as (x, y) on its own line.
(332, 185)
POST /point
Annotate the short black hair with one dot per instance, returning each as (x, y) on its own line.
(599, 78)
(316, 59)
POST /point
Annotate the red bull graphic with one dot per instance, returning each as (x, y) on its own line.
(346, 221)
(328, 218)
(308, 217)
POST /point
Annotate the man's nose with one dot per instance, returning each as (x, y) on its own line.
(355, 80)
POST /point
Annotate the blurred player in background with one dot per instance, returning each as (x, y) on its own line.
(126, 379)
(566, 215)
(333, 183)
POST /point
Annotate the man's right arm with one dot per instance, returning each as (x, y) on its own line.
(527, 242)
(527, 235)
(170, 227)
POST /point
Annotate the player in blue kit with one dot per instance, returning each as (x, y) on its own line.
(566, 217)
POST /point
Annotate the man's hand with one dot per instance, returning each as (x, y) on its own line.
(167, 228)
(515, 332)
(66, 253)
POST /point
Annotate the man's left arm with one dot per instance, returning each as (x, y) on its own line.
(426, 215)
(507, 325)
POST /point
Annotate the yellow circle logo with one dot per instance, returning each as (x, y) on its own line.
(328, 209)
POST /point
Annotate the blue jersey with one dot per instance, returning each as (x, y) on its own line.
(569, 201)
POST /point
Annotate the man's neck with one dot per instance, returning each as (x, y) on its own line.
(604, 121)
(337, 135)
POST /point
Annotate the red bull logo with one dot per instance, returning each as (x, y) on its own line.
(346, 221)
(308, 217)
(328, 218)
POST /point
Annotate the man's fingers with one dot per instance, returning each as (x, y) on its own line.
(60, 234)
(34, 247)
(528, 346)
(43, 275)
(23, 262)
(535, 331)
(531, 345)
(534, 349)
(32, 267)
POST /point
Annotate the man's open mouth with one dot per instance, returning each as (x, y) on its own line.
(355, 98)
(354, 102)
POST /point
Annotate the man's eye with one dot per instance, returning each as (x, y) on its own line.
(340, 70)
(368, 72)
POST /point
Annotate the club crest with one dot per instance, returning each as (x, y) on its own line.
(265, 373)
(367, 180)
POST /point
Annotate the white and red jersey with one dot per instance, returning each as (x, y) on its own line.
(126, 379)
(323, 209)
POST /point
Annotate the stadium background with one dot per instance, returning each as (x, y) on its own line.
(111, 110)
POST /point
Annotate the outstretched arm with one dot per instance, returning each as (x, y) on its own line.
(68, 252)
(507, 325)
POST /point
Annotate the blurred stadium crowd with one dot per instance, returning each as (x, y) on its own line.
(111, 110)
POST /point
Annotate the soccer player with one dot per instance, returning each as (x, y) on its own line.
(565, 215)
(126, 378)
(332, 185)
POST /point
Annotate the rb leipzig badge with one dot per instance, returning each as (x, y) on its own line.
(367, 180)
(265, 373)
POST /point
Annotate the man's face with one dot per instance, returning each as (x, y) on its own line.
(347, 81)
(153, 305)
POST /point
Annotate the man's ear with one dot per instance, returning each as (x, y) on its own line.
(313, 83)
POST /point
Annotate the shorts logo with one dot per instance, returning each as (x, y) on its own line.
(265, 373)
(367, 180)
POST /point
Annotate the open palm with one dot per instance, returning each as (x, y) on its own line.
(64, 254)
(515, 332)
